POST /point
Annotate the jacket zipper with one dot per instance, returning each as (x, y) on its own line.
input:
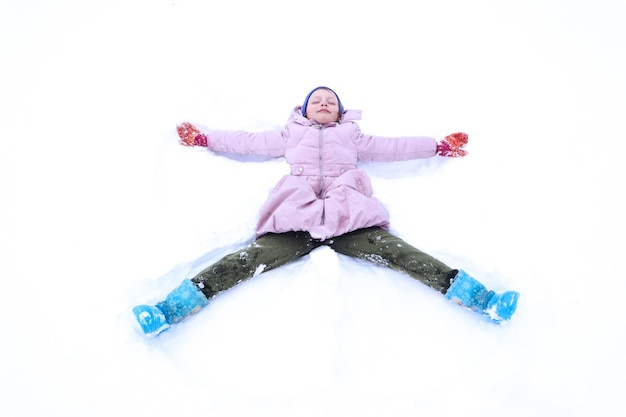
(321, 175)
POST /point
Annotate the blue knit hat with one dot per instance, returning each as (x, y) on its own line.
(306, 100)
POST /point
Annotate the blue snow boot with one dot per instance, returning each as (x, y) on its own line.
(470, 293)
(181, 303)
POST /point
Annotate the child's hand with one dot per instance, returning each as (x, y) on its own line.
(451, 145)
(191, 135)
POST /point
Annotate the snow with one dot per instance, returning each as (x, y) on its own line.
(101, 209)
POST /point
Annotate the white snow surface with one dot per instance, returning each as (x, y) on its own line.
(101, 209)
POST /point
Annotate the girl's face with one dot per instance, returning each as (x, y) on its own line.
(323, 107)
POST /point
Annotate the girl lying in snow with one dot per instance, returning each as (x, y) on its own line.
(325, 200)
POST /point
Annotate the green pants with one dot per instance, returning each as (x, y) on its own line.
(273, 250)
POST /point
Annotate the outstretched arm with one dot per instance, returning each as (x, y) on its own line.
(385, 149)
(270, 143)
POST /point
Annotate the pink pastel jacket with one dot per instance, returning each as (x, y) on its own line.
(325, 194)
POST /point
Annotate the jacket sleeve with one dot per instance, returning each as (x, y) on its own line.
(389, 149)
(269, 143)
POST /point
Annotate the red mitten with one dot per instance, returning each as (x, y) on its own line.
(191, 135)
(451, 145)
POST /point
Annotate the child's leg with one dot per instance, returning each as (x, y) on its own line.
(383, 248)
(266, 253)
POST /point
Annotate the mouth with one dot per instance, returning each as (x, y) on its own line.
(323, 111)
